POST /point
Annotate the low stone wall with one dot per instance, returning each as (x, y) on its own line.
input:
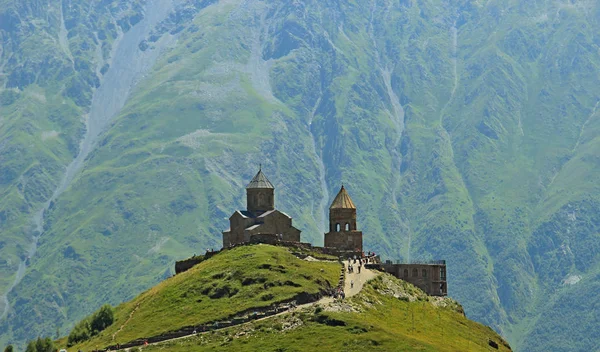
(342, 281)
(271, 239)
(323, 250)
(185, 265)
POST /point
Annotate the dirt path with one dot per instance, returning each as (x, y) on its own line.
(355, 281)
(127, 321)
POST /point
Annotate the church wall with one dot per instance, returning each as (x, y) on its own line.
(342, 217)
(292, 234)
(275, 222)
(238, 223)
(226, 239)
(260, 199)
(349, 241)
(231, 238)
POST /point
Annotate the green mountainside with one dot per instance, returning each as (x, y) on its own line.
(463, 130)
(387, 315)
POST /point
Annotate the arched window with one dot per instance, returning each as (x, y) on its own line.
(415, 272)
(424, 273)
(405, 272)
(347, 227)
(260, 199)
(337, 227)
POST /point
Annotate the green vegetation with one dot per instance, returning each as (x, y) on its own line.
(375, 320)
(41, 345)
(92, 326)
(48, 60)
(233, 281)
(9, 348)
(47, 77)
(464, 130)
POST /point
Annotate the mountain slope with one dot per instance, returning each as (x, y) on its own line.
(51, 58)
(463, 130)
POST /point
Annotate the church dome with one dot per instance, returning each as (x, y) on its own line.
(260, 181)
(342, 201)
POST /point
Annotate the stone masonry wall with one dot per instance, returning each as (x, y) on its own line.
(424, 276)
(344, 240)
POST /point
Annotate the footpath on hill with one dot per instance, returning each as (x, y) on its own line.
(354, 281)
(353, 284)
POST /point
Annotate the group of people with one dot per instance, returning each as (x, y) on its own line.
(351, 268)
(339, 293)
(359, 261)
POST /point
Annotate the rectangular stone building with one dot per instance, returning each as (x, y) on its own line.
(429, 277)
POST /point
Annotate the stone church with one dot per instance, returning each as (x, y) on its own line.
(343, 234)
(260, 220)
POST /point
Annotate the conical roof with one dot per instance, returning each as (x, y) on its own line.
(260, 181)
(342, 201)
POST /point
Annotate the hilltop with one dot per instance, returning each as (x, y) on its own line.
(234, 281)
(236, 284)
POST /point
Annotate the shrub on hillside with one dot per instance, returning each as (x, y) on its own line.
(102, 319)
(80, 332)
(8, 348)
(91, 325)
(40, 345)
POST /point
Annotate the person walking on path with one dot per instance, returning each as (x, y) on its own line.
(351, 283)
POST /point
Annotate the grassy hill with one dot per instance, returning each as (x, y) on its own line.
(388, 314)
(230, 282)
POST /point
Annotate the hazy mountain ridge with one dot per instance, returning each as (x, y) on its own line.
(464, 131)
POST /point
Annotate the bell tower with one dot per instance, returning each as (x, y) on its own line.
(260, 194)
(343, 233)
